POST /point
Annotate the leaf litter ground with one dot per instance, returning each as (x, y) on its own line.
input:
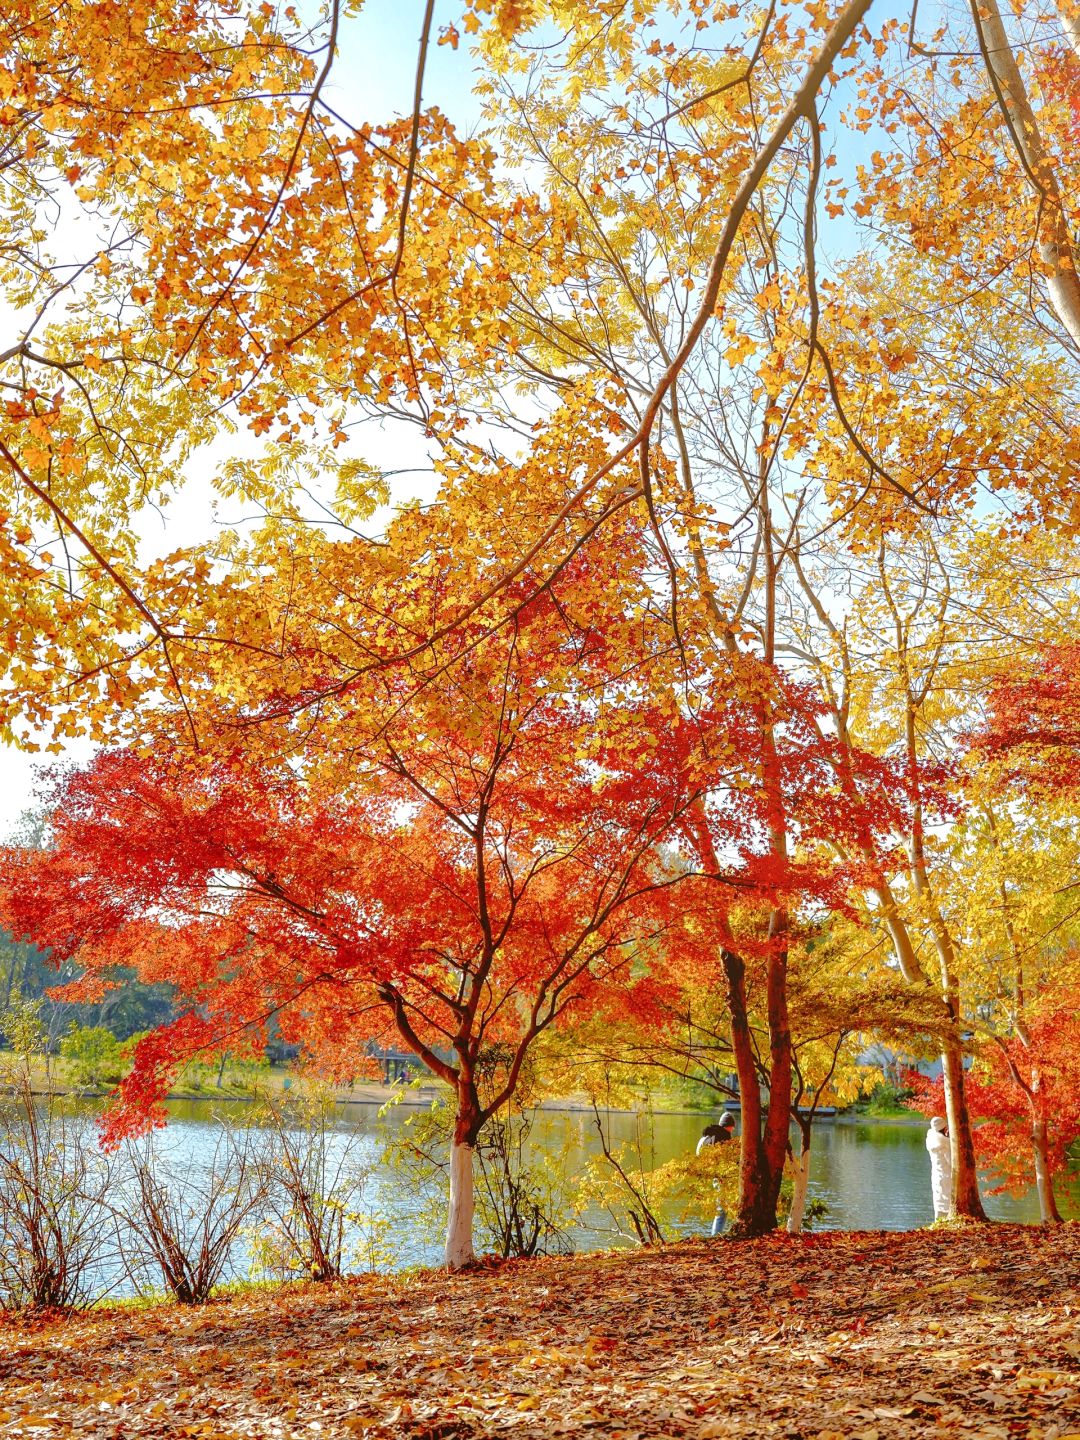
(968, 1333)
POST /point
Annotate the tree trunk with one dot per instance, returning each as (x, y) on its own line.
(1040, 1144)
(1054, 237)
(752, 1201)
(1044, 1185)
(761, 1159)
(777, 1126)
(757, 1202)
(802, 1181)
(1040, 1140)
(902, 947)
(459, 1225)
(965, 1182)
(778, 1123)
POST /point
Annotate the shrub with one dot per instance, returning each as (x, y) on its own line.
(314, 1225)
(521, 1197)
(56, 1229)
(183, 1225)
(888, 1099)
(94, 1056)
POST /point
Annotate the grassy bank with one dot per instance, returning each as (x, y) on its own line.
(237, 1083)
(970, 1333)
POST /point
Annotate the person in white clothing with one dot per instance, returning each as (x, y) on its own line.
(718, 1134)
(940, 1148)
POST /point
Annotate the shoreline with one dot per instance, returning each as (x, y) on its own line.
(377, 1095)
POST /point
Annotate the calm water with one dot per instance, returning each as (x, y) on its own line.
(870, 1175)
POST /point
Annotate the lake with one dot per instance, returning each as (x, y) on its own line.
(867, 1174)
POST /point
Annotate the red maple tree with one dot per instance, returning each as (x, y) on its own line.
(1034, 723)
(801, 818)
(513, 848)
(495, 860)
(1024, 1090)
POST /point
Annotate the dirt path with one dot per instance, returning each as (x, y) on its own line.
(973, 1334)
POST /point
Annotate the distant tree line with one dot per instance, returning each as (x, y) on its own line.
(130, 1009)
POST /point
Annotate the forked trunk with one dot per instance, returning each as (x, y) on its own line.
(762, 1156)
(757, 1208)
(459, 1225)
(752, 1198)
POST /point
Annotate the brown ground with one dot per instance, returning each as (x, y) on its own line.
(965, 1334)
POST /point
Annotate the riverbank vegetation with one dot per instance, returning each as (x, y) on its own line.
(958, 1332)
(638, 642)
(283, 1187)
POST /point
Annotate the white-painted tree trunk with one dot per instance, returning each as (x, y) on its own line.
(952, 1116)
(459, 1225)
(798, 1200)
(1044, 1185)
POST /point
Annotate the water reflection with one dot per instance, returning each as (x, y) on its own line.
(870, 1175)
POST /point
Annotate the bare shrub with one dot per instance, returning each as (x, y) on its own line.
(622, 1185)
(521, 1194)
(522, 1198)
(56, 1237)
(314, 1224)
(185, 1223)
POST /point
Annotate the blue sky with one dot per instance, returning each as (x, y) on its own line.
(375, 71)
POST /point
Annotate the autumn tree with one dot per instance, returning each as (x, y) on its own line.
(253, 254)
(1019, 863)
(494, 861)
(234, 318)
(1026, 1090)
(108, 113)
(908, 658)
(1018, 856)
(1032, 726)
(845, 419)
(844, 995)
(167, 175)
